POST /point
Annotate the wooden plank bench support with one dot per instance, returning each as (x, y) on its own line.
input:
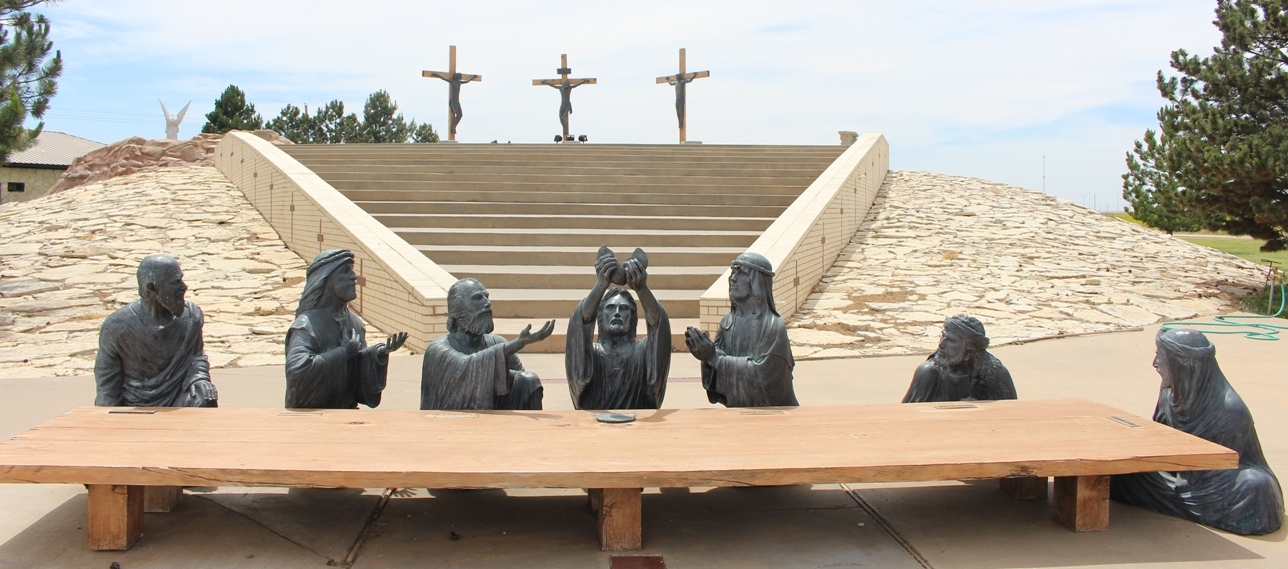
(161, 499)
(1082, 502)
(1024, 487)
(620, 518)
(115, 516)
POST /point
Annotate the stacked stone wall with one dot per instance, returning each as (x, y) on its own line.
(808, 237)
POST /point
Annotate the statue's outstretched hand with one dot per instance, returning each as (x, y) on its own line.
(395, 341)
(541, 334)
(205, 390)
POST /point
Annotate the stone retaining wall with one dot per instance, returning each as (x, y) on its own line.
(806, 239)
(399, 289)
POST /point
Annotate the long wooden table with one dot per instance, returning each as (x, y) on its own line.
(117, 452)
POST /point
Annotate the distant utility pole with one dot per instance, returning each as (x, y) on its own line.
(1044, 171)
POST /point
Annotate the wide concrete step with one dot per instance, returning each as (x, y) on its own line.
(574, 180)
(556, 343)
(750, 169)
(583, 276)
(625, 239)
(546, 303)
(554, 151)
(546, 221)
(564, 208)
(698, 198)
(476, 254)
(557, 188)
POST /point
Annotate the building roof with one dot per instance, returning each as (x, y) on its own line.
(54, 149)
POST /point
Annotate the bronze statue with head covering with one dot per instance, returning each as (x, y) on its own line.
(328, 362)
(750, 362)
(1195, 397)
(961, 369)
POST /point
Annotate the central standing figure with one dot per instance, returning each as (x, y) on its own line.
(618, 372)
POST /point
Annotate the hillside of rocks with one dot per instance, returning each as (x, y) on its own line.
(1028, 265)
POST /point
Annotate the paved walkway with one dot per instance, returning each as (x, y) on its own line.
(948, 524)
(1028, 265)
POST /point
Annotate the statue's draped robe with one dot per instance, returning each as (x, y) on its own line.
(1246, 500)
(319, 375)
(486, 379)
(986, 380)
(139, 365)
(754, 367)
(632, 378)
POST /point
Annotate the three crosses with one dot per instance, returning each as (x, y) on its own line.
(564, 84)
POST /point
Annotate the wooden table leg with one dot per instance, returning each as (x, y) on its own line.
(1024, 487)
(620, 513)
(161, 499)
(115, 516)
(1082, 502)
(595, 496)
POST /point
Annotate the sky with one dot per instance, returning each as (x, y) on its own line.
(1045, 95)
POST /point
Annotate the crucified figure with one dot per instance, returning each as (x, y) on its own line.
(565, 96)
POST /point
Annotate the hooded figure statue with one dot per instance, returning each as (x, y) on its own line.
(1196, 398)
(328, 362)
(750, 363)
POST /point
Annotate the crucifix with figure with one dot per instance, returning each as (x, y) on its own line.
(454, 81)
(679, 80)
(565, 87)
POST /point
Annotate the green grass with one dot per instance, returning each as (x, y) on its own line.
(1246, 248)
(1128, 218)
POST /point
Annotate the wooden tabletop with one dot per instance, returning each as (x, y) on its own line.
(664, 448)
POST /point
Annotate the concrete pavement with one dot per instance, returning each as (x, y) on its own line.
(941, 524)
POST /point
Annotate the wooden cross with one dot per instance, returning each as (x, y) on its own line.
(454, 81)
(679, 80)
(565, 87)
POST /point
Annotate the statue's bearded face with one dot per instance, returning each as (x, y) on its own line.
(615, 316)
(952, 349)
(343, 283)
(477, 319)
(168, 290)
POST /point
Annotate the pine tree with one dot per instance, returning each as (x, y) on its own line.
(294, 124)
(379, 121)
(423, 133)
(29, 82)
(232, 112)
(1221, 152)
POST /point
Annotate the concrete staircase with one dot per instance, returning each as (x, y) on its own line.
(526, 220)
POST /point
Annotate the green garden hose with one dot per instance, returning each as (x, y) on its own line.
(1259, 331)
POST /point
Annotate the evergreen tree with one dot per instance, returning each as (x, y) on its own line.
(331, 126)
(423, 133)
(381, 121)
(232, 112)
(1155, 200)
(295, 125)
(1221, 152)
(28, 80)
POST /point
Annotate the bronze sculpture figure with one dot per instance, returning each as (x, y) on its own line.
(1196, 398)
(961, 369)
(750, 363)
(618, 371)
(150, 352)
(328, 362)
(472, 368)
